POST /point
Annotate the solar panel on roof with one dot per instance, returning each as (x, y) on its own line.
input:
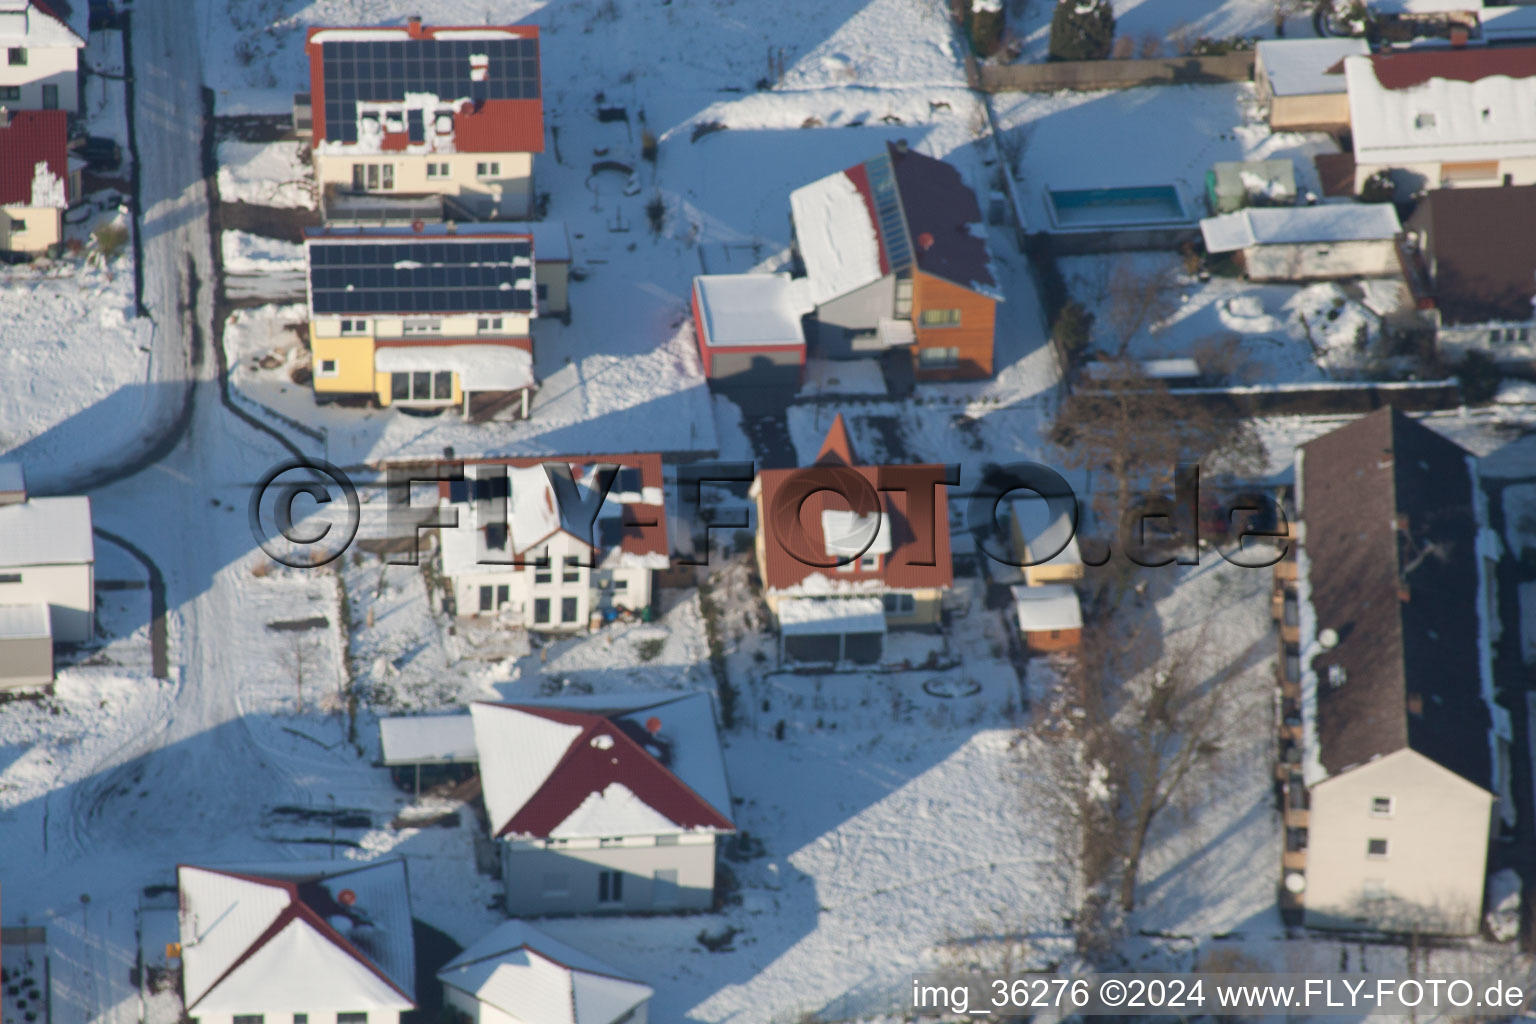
(893, 225)
(382, 72)
(404, 277)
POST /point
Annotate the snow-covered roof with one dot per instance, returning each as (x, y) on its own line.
(1502, 24)
(37, 26)
(846, 533)
(1047, 606)
(24, 621)
(480, 367)
(297, 937)
(534, 979)
(746, 310)
(1301, 67)
(1027, 510)
(46, 531)
(13, 479)
(836, 238)
(427, 739)
(597, 767)
(1301, 225)
(1429, 106)
(821, 615)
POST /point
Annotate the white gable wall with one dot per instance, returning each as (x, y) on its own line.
(555, 878)
(46, 65)
(1437, 848)
(69, 591)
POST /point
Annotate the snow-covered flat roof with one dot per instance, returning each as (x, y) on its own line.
(24, 622)
(1469, 104)
(836, 237)
(1301, 225)
(1508, 23)
(744, 310)
(428, 739)
(1299, 67)
(1026, 511)
(800, 616)
(480, 367)
(1047, 606)
(46, 531)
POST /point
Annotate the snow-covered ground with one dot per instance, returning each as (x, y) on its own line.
(266, 174)
(1173, 24)
(245, 253)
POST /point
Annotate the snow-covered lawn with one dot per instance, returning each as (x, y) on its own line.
(76, 356)
(245, 253)
(1162, 135)
(266, 174)
(1238, 331)
(1163, 20)
(104, 99)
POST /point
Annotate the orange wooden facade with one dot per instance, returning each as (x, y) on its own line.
(972, 336)
(1048, 640)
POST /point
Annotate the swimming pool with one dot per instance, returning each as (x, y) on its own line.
(1135, 206)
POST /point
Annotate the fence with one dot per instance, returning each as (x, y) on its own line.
(1090, 75)
(1324, 398)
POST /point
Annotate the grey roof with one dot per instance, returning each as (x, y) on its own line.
(1391, 545)
(1305, 67)
(46, 531)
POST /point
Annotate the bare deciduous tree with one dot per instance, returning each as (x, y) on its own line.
(1128, 425)
(1137, 299)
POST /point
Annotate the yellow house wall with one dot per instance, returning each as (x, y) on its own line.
(44, 228)
(516, 178)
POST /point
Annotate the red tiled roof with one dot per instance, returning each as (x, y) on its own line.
(500, 126)
(587, 768)
(913, 498)
(1404, 69)
(32, 136)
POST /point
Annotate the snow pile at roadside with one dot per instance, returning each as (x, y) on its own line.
(266, 174)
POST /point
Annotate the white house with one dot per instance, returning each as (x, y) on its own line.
(519, 974)
(47, 576)
(1444, 117)
(1301, 82)
(326, 942)
(604, 804)
(40, 66)
(518, 556)
(1299, 243)
(1404, 753)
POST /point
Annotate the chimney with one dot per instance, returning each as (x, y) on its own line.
(925, 241)
(5, 117)
(448, 452)
(451, 227)
(418, 225)
(1458, 36)
(901, 146)
(413, 26)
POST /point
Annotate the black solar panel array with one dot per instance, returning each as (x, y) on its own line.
(420, 277)
(384, 71)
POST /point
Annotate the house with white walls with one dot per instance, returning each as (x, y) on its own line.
(324, 942)
(605, 803)
(39, 56)
(47, 578)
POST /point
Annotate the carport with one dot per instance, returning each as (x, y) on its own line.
(832, 629)
(440, 743)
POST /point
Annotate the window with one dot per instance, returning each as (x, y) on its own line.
(418, 386)
(351, 1018)
(488, 323)
(572, 571)
(666, 840)
(610, 886)
(10, 92)
(359, 181)
(610, 841)
(1381, 807)
(18, 225)
(848, 566)
(903, 308)
(488, 169)
(432, 326)
(503, 594)
(437, 170)
(568, 609)
(486, 595)
(938, 356)
(17, 57)
(328, 368)
(301, 1018)
(869, 561)
(557, 885)
(899, 604)
(939, 318)
(354, 327)
(621, 584)
(1375, 847)
(541, 610)
(50, 97)
(543, 290)
(541, 568)
(247, 1018)
(1424, 120)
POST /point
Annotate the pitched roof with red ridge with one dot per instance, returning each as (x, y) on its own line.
(605, 766)
(792, 503)
(297, 937)
(32, 137)
(1406, 69)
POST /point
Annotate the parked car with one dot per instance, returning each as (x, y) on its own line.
(102, 153)
(104, 15)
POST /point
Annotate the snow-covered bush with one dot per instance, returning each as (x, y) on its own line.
(1082, 30)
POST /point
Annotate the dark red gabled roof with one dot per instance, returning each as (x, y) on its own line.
(33, 136)
(1404, 69)
(588, 768)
